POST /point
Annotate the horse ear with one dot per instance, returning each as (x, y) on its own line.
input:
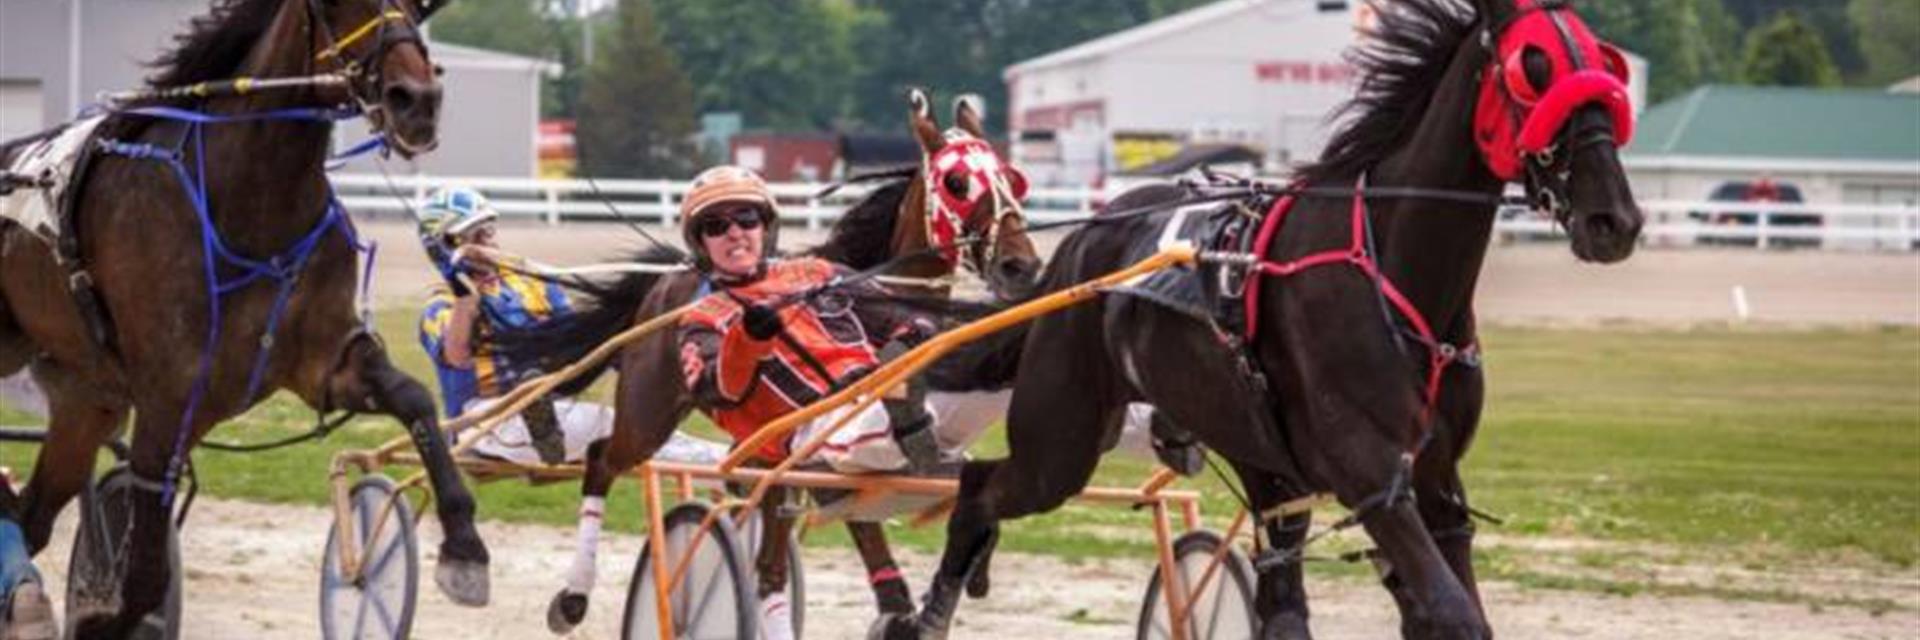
(969, 110)
(920, 120)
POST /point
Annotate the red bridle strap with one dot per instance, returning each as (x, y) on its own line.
(1440, 355)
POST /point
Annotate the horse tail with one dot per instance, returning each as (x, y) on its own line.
(602, 309)
(986, 364)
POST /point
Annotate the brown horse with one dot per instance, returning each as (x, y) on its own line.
(222, 269)
(889, 228)
(1354, 368)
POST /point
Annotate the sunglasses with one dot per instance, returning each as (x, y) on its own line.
(716, 226)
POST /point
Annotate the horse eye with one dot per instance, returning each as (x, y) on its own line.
(1539, 69)
(955, 184)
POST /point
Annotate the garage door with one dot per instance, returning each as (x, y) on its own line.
(19, 108)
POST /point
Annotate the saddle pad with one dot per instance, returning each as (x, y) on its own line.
(1189, 290)
(38, 209)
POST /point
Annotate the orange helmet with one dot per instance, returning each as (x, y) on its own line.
(722, 185)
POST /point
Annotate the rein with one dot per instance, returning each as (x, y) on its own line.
(283, 267)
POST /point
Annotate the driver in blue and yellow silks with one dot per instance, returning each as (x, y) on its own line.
(25, 611)
(486, 291)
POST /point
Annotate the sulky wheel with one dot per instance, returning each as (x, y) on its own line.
(379, 603)
(796, 572)
(98, 565)
(715, 599)
(1223, 610)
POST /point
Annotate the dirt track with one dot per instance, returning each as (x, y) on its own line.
(1522, 283)
(253, 574)
(253, 568)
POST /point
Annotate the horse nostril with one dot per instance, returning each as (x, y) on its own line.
(412, 98)
(1602, 225)
(399, 98)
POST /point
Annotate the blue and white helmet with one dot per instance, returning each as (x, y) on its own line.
(453, 211)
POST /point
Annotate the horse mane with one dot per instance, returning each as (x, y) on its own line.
(215, 44)
(863, 237)
(1401, 68)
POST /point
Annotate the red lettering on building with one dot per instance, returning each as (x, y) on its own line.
(1303, 72)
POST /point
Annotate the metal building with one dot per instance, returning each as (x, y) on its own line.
(1261, 73)
(57, 55)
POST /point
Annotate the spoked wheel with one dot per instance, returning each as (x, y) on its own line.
(714, 601)
(1222, 610)
(99, 562)
(796, 572)
(379, 603)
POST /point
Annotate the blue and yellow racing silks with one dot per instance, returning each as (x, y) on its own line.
(514, 301)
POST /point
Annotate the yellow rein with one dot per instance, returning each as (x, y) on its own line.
(387, 16)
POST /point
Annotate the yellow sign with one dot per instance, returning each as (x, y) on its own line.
(1131, 153)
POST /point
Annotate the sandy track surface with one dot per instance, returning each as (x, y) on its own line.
(1522, 283)
(253, 574)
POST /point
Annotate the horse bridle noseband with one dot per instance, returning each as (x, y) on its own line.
(1545, 177)
(392, 26)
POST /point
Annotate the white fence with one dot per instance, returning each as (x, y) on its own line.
(1669, 222)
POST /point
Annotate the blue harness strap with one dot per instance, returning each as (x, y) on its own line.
(284, 267)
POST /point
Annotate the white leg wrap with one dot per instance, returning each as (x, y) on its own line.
(581, 576)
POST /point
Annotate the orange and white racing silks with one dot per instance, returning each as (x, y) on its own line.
(827, 341)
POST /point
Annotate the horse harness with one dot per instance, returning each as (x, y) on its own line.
(225, 270)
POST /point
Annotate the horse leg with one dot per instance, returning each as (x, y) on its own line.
(890, 590)
(80, 422)
(1052, 454)
(1442, 498)
(569, 606)
(148, 571)
(649, 403)
(370, 383)
(1280, 596)
(15, 350)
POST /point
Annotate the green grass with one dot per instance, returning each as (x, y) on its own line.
(1739, 447)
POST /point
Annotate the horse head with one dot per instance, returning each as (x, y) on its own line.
(1553, 112)
(376, 45)
(972, 199)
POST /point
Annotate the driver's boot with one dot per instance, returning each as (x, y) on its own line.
(912, 424)
(543, 429)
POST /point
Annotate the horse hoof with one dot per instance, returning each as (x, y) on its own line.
(894, 626)
(465, 583)
(32, 615)
(94, 627)
(566, 611)
(978, 584)
(1286, 626)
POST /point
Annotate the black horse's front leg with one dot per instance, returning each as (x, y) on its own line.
(382, 388)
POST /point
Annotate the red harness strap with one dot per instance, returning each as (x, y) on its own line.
(1439, 354)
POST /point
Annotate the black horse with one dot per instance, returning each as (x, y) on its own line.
(1355, 371)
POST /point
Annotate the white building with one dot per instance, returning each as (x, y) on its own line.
(1263, 73)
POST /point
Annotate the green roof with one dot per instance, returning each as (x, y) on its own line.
(1782, 122)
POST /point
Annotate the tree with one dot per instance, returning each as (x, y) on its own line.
(1788, 52)
(1889, 38)
(636, 105)
(1686, 42)
(961, 46)
(513, 26)
(784, 64)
